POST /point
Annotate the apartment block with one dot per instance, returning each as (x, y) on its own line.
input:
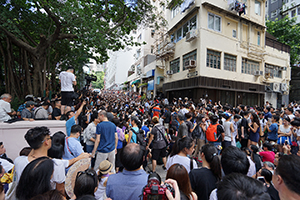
(219, 50)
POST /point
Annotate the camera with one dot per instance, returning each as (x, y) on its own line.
(90, 78)
(154, 191)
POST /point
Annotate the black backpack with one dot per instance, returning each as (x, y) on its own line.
(140, 138)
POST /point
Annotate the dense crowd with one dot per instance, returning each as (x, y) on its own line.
(114, 139)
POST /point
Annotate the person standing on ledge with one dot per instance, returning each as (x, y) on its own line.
(67, 80)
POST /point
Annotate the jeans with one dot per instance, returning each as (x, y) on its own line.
(217, 145)
(89, 149)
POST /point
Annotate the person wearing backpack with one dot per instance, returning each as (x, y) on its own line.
(121, 138)
(159, 142)
(215, 133)
(132, 137)
(198, 134)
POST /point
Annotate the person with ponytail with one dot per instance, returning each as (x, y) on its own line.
(205, 179)
(183, 148)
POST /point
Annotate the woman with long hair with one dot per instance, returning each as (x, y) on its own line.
(35, 178)
(180, 174)
(180, 151)
(254, 127)
(205, 179)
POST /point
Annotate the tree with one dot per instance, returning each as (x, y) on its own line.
(100, 80)
(287, 31)
(36, 33)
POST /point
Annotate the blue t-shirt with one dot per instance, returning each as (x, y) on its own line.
(72, 148)
(69, 125)
(268, 115)
(126, 185)
(106, 130)
(146, 129)
(273, 135)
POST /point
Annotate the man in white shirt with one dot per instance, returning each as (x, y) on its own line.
(67, 80)
(5, 108)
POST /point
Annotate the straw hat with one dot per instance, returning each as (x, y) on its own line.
(80, 165)
(105, 167)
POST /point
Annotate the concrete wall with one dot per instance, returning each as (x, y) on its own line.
(12, 135)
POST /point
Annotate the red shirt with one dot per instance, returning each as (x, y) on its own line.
(267, 156)
(156, 111)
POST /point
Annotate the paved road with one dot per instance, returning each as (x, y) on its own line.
(159, 170)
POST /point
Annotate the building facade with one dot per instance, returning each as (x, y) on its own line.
(274, 9)
(291, 8)
(218, 50)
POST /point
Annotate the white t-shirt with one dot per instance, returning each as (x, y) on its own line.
(6, 165)
(66, 79)
(291, 116)
(59, 175)
(100, 194)
(4, 109)
(183, 160)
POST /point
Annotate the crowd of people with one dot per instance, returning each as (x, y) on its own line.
(209, 151)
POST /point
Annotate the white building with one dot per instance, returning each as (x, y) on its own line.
(217, 51)
(291, 8)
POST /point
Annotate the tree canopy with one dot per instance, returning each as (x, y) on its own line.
(287, 31)
(38, 38)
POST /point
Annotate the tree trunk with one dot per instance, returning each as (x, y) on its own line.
(4, 66)
(11, 80)
(27, 73)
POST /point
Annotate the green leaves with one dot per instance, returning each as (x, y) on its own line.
(287, 31)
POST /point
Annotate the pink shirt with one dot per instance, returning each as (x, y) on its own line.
(267, 156)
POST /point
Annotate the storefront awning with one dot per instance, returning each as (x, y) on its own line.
(136, 81)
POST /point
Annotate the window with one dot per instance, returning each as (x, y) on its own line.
(293, 13)
(152, 49)
(249, 66)
(139, 37)
(214, 22)
(234, 33)
(274, 71)
(174, 11)
(179, 34)
(274, 14)
(189, 56)
(182, 31)
(229, 62)
(138, 53)
(175, 66)
(213, 59)
(257, 7)
(258, 38)
(298, 10)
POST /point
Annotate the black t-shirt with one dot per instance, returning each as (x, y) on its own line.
(167, 116)
(273, 192)
(244, 123)
(203, 181)
(56, 112)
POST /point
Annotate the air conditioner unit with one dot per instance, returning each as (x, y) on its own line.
(275, 87)
(169, 72)
(283, 87)
(189, 64)
(190, 35)
(258, 73)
